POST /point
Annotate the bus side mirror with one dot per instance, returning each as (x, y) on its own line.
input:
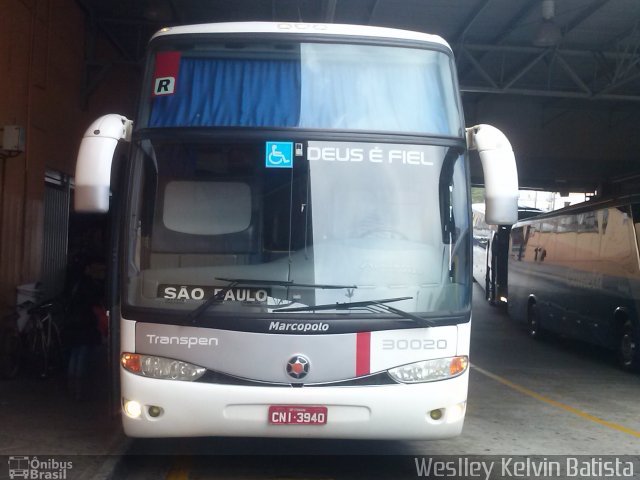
(93, 166)
(500, 173)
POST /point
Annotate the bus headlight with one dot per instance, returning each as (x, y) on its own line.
(160, 367)
(430, 370)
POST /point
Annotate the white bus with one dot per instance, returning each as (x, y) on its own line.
(481, 235)
(296, 242)
(491, 253)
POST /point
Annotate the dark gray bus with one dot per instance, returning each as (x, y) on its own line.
(576, 272)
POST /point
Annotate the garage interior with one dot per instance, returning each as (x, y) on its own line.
(561, 78)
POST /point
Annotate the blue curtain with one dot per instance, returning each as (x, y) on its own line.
(231, 93)
(354, 87)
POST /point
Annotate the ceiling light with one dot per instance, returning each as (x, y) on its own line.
(548, 33)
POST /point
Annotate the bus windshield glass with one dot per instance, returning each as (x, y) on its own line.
(297, 224)
(328, 86)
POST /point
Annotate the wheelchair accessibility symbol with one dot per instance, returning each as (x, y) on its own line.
(279, 155)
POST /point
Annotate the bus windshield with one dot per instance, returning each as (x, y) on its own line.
(317, 223)
(328, 86)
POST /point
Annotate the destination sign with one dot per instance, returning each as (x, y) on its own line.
(202, 292)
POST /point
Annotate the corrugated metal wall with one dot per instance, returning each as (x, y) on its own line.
(56, 234)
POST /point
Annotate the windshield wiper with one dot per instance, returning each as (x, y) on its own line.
(283, 283)
(234, 282)
(376, 306)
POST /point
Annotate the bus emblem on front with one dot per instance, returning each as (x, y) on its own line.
(298, 367)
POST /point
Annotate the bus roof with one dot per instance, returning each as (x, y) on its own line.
(303, 28)
(593, 204)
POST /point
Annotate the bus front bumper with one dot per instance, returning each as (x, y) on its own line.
(370, 412)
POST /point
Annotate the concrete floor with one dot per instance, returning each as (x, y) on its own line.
(526, 398)
(40, 419)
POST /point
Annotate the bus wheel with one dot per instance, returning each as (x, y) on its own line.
(533, 322)
(629, 348)
(488, 291)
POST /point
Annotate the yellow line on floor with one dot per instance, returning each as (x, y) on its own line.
(549, 401)
(180, 469)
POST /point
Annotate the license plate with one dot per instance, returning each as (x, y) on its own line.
(297, 415)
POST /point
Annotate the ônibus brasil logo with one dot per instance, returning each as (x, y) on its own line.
(35, 468)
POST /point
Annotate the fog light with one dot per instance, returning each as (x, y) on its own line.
(132, 408)
(155, 411)
(436, 414)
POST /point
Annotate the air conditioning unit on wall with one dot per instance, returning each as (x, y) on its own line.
(12, 139)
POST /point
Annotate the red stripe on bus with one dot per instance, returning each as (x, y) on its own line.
(167, 64)
(363, 353)
(166, 73)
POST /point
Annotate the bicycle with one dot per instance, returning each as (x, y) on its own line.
(42, 341)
